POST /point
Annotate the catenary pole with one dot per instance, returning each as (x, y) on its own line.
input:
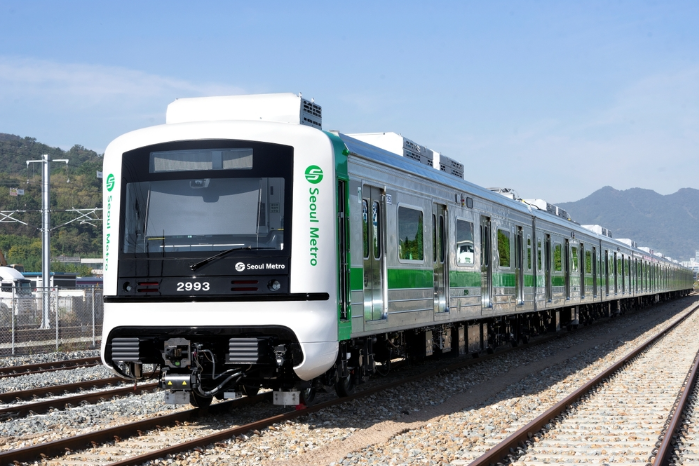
(46, 235)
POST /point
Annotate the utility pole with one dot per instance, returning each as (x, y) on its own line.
(46, 235)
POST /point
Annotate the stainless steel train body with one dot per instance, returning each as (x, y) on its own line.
(523, 260)
(243, 253)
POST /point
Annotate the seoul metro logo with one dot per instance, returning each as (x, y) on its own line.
(110, 182)
(314, 174)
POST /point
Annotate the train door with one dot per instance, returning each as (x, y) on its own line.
(547, 267)
(486, 263)
(439, 256)
(519, 266)
(373, 253)
(566, 267)
(623, 275)
(594, 272)
(343, 245)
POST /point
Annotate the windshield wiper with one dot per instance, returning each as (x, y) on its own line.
(220, 255)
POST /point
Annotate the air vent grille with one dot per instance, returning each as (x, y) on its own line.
(248, 351)
(126, 349)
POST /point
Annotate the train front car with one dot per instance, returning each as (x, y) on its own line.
(220, 258)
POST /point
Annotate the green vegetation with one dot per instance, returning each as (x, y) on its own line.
(75, 186)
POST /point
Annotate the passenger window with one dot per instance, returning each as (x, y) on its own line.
(529, 252)
(574, 253)
(464, 242)
(538, 255)
(376, 228)
(504, 247)
(365, 228)
(410, 234)
(588, 262)
(557, 258)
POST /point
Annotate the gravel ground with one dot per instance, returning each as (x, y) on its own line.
(45, 379)
(434, 421)
(461, 437)
(687, 448)
(82, 419)
(621, 421)
(440, 420)
(11, 361)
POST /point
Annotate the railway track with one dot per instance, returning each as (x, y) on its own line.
(680, 442)
(113, 438)
(138, 442)
(623, 415)
(27, 369)
(63, 402)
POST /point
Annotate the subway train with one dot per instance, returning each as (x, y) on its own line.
(245, 248)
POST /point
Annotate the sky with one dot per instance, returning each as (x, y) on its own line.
(554, 99)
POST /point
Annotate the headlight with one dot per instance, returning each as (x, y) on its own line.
(274, 285)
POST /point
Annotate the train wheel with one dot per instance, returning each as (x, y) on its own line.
(199, 401)
(307, 395)
(345, 387)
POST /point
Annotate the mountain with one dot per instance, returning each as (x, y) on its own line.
(73, 186)
(668, 224)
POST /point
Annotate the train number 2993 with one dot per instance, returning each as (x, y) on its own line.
(196, 286)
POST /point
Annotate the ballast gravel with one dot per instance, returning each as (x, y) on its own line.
(446, 419)
(622, 418)
(81, 419)
(39, 358)
(438, 420)
(47, 379)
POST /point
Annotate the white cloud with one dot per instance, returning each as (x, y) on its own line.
(87, 104)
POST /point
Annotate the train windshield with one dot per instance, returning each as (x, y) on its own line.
(201, 197)
(204, 214)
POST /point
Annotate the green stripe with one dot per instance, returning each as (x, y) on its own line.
(528, 280)
(340, 154)
(356, 279)
(410, 278)
(540, 281)
(459, 279)
(503, 279)
(558, 281)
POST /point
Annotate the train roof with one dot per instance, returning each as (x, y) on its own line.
(390, 159)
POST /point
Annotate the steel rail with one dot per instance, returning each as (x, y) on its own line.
(505, 448)
(39, 407)
(61, 446)
(664, 452)
(112, 434)
(261, 424)
(27, 369)
(60, 390)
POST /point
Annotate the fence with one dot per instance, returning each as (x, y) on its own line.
(74, 320)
